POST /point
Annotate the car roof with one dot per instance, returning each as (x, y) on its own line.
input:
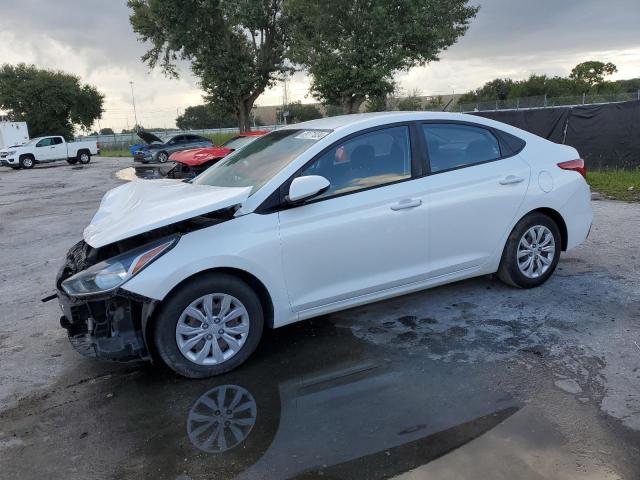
(367, 120)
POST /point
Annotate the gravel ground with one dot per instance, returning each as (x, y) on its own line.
(557, 369)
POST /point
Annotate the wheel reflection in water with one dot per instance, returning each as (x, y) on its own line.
(222, 418)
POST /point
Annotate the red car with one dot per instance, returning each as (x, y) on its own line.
(194, 161)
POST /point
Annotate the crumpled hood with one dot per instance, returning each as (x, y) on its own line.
(197, 156)
(143, 205)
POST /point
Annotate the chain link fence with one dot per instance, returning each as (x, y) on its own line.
(542, 101)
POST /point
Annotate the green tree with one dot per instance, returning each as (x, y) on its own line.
(205, 116)
(592, 72)
(51, 102)
(378, 103)
(107, 131)
(332, 110)
(302, 112)
(236, 47)
(352, 49)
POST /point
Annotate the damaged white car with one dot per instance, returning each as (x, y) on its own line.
(311, 219)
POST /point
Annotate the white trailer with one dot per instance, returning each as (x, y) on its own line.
(13, 134)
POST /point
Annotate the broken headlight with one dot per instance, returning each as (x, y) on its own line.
(110, 274)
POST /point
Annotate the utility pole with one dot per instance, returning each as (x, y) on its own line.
(133, 99)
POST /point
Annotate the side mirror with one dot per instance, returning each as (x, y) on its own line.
(303, 188)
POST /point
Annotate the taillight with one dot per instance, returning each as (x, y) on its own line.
(575, 165)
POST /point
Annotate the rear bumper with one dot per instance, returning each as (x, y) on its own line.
(109, 327)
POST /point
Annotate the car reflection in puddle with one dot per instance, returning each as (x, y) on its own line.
(365, 420)
(145, 172)
(338, 413)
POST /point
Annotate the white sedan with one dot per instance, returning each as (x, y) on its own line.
(313, 218)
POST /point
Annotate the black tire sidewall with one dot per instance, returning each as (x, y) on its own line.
(88, 158)
(162, 155)
(72, 161)
(164, 327)
(509, 271)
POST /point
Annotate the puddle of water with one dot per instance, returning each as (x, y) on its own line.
(314, 401)
(146, 172)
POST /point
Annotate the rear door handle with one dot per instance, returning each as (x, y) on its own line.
(510, 180)
(407, 203)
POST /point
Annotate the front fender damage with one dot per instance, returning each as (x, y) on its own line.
(113, 326)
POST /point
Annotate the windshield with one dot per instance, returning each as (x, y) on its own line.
(238, 142)
(33, 141)
(258, 162)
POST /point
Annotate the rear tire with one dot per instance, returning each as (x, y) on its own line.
(163, 157)
(173, 320)
(27, 162)
(531, 253)
(84, 157)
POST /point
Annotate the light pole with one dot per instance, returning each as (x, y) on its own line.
(133, 99)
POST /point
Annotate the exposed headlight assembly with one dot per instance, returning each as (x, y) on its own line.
(112, 273)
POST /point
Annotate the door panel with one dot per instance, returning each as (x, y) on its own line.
(470, 210)
(59, 150)
(355, 244)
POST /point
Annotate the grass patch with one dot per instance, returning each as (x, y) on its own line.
(616, 183)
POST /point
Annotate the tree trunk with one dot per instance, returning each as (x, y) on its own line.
(244, 115)
(352, 104)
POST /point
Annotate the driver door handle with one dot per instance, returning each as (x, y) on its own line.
(510, 180)
(407, 203)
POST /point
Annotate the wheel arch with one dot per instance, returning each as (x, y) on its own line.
(81, 151)
(557, 218)
(251, 280)
(29, 155)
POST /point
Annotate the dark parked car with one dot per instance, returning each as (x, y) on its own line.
(158, 149)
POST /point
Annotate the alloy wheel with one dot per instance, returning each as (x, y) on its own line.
(212, 329)
(536, 251)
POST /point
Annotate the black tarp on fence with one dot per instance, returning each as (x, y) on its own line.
(607, 135)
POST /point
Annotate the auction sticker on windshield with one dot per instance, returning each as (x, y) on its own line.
(312, 134)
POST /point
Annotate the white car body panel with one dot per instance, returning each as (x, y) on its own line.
(338, 253)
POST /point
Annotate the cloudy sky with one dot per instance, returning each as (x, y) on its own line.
(509, 38)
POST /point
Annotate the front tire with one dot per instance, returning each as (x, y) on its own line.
(531, 253)
(27, 162)
(209, 326)
(163, 157)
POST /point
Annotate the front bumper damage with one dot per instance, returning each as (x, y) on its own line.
(109, 326)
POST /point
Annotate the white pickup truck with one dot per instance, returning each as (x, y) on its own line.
(48, 149)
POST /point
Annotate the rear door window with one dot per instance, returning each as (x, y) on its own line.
(452, 145)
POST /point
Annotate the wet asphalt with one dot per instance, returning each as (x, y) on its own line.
(470, 380)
